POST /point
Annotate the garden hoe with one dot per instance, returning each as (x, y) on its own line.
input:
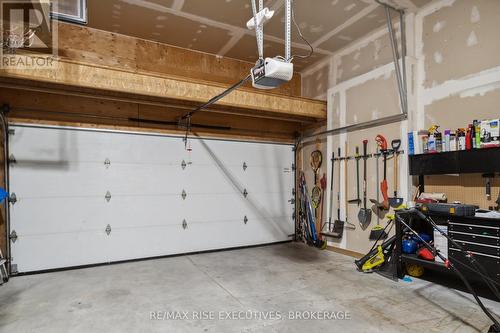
(365, 214)
(357, 201)
(395, 202)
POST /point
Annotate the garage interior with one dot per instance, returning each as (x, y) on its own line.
(250, 166)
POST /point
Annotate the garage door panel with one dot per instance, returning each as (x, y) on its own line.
(61, 181)
(71, 180)
(262, 180)
(39, 216)
(235, 153)
(56, 250)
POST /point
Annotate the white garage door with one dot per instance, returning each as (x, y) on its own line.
(87, 197)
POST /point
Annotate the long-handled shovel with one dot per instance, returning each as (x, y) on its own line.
(395, 201)
(365, 214)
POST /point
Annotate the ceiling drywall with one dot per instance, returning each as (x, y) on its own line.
(218, 26)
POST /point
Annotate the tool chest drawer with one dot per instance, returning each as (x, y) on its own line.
(474, 229)
(490, 263)
(478, 247)
(475, 221)
(474, 238)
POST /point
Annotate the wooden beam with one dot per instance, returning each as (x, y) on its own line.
(74, 76)
(107, 49)
(42, 106)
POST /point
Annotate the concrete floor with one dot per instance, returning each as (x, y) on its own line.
(278, 278)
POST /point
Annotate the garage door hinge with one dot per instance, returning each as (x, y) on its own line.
(245, 193)
(13, 269)
(292, 201)
(245, 166)
(107, 163)
(12, 131)
(12, 159)
(12, 198)
(245, 219)
(108, 229)
(293, 166)
(107, 196)
(184, 224)
(183, 164)
(13, 236)
(184, 195)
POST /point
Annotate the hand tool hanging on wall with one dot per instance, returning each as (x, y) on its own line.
(331, 195)
(338, 191)
(488, 177)
(395, 201)
(382, 144)
(346, 160)
(320, 223)
(365, 214)
(358, 199)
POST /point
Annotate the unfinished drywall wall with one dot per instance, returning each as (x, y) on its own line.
(459, 110)
(461, 39)
(459, 66)
(367, 57)
(360, 57)
(373, 99)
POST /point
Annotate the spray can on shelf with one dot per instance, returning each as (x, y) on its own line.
(434, 139)
(438, 137)
(447, 137)
(461, 141)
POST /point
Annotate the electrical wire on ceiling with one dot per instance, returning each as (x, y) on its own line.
(311, 51)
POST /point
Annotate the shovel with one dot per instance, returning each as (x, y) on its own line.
(365, 214)
(395, 202)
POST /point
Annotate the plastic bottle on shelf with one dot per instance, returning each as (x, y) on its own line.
(453, 141)
(477, 131)
(469, 137)
(447, 137)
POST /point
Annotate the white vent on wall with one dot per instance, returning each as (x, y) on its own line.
(74, 11)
